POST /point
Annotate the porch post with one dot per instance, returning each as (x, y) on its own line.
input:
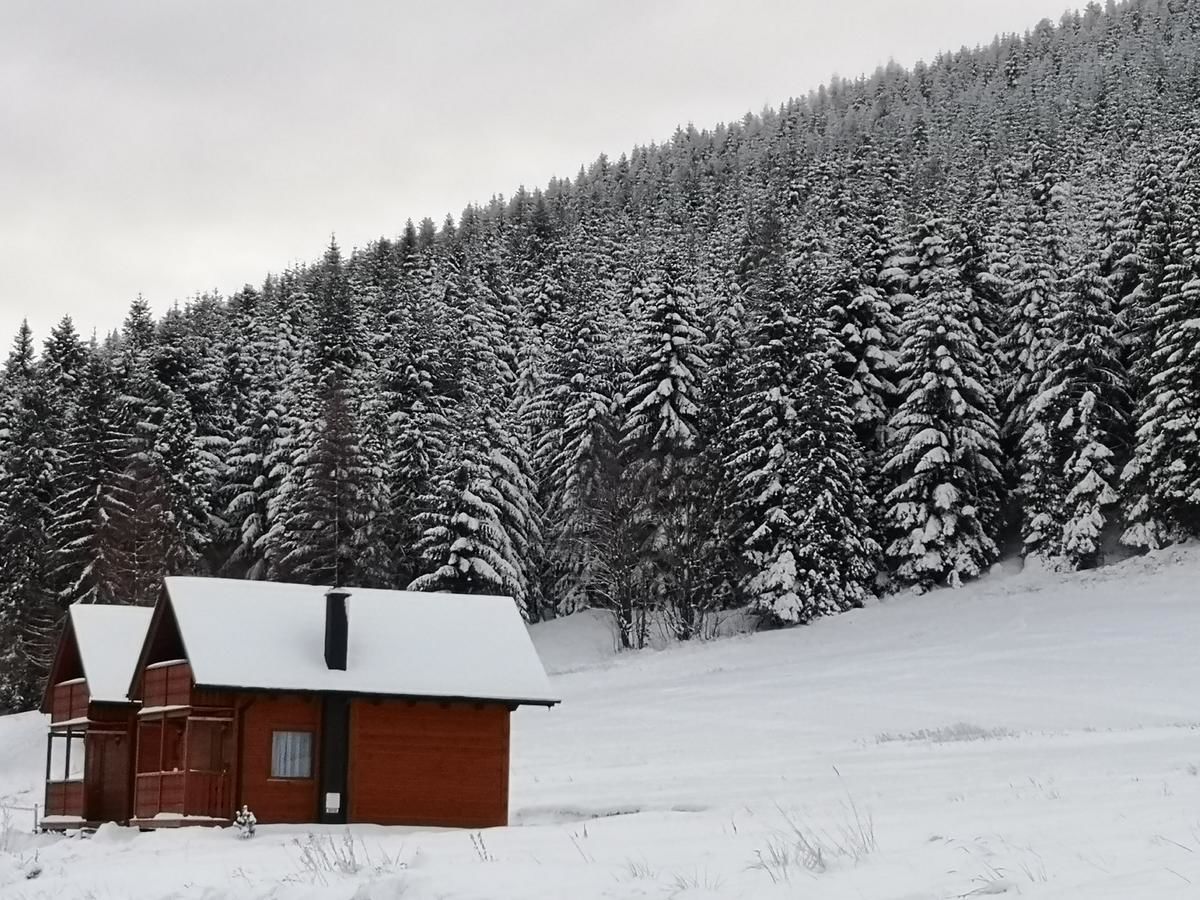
(187, 740)
(162, 739)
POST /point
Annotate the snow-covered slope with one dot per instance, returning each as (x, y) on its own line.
(1028, 735)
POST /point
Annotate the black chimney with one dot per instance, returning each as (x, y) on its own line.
(337, 628)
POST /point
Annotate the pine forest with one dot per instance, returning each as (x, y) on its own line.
(870, 341)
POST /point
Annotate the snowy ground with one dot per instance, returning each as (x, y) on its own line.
(1031, 735)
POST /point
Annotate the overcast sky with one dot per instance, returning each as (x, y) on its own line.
(165, 147)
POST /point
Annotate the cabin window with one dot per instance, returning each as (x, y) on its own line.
(66, 759)
(291, 754)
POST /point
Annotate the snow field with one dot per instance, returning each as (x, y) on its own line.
(1032, 735)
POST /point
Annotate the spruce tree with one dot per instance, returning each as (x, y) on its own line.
(943, 449)
(580, 465)
(481, 519)
(661, 440)
(802, 504)
(29, 468)
(1078, 418)
(1161, 481)
(328, 511)
(86, 562)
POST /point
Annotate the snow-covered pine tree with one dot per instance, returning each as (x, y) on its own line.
(279, 401)
(465, 542)
(160, 515)
(245, 357)
(579, 459)
(330, 507)
(481, 519)
(987, 260)
(87, 551)
(416, 432)
(138, 490)
(62, 364)
(729, 354)
(1078, 419)
(943, 449)
(798, 468)
(1162, 479)
(184, 477)
(328, 512)
(1032, 298)
(859, 305)
(29, 467)
(865, 330)
(661, 440)
(1134, 262)
(509, 430)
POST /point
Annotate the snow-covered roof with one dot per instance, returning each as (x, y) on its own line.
(109, 637)
(271, 636)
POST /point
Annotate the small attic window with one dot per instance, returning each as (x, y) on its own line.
(291, 754)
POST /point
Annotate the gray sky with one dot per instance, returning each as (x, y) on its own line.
(168, 147)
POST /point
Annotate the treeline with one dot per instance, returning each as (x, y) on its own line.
(860, 343)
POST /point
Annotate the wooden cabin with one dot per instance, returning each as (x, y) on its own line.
(311, 704)
(89, 750)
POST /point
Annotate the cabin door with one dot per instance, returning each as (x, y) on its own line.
(107, 776)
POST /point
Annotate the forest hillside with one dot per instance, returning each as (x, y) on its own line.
(860, 343)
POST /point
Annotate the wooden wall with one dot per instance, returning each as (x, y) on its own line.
(411, 762)
(167, 684)
(69, 701)
(428, 763)
(108, 777)
(278, 799)
(64, 798)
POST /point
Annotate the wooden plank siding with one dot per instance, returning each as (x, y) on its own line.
(158, 792)
(70, 701)
(167, 684)
(276, 800)
(64, 798)
(108, 772)
(428, 763)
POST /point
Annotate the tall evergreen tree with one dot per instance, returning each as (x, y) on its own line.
(29, 467)
(798, 469)
(661, 440)
(328, 512)
(85, 534)
(943, 450)
(482, 520)
(1078, 420)
(1162, 481)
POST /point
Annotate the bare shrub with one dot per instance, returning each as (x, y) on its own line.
(800, 846)
(324, 855)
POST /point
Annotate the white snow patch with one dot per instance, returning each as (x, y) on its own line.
(1031, 735)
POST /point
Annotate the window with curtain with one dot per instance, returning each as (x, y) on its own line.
(291, 754)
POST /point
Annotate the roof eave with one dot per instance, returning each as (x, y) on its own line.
(65, 629)
(381, 695)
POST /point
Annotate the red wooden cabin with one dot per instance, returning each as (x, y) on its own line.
(89, 751)
(315, 705)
